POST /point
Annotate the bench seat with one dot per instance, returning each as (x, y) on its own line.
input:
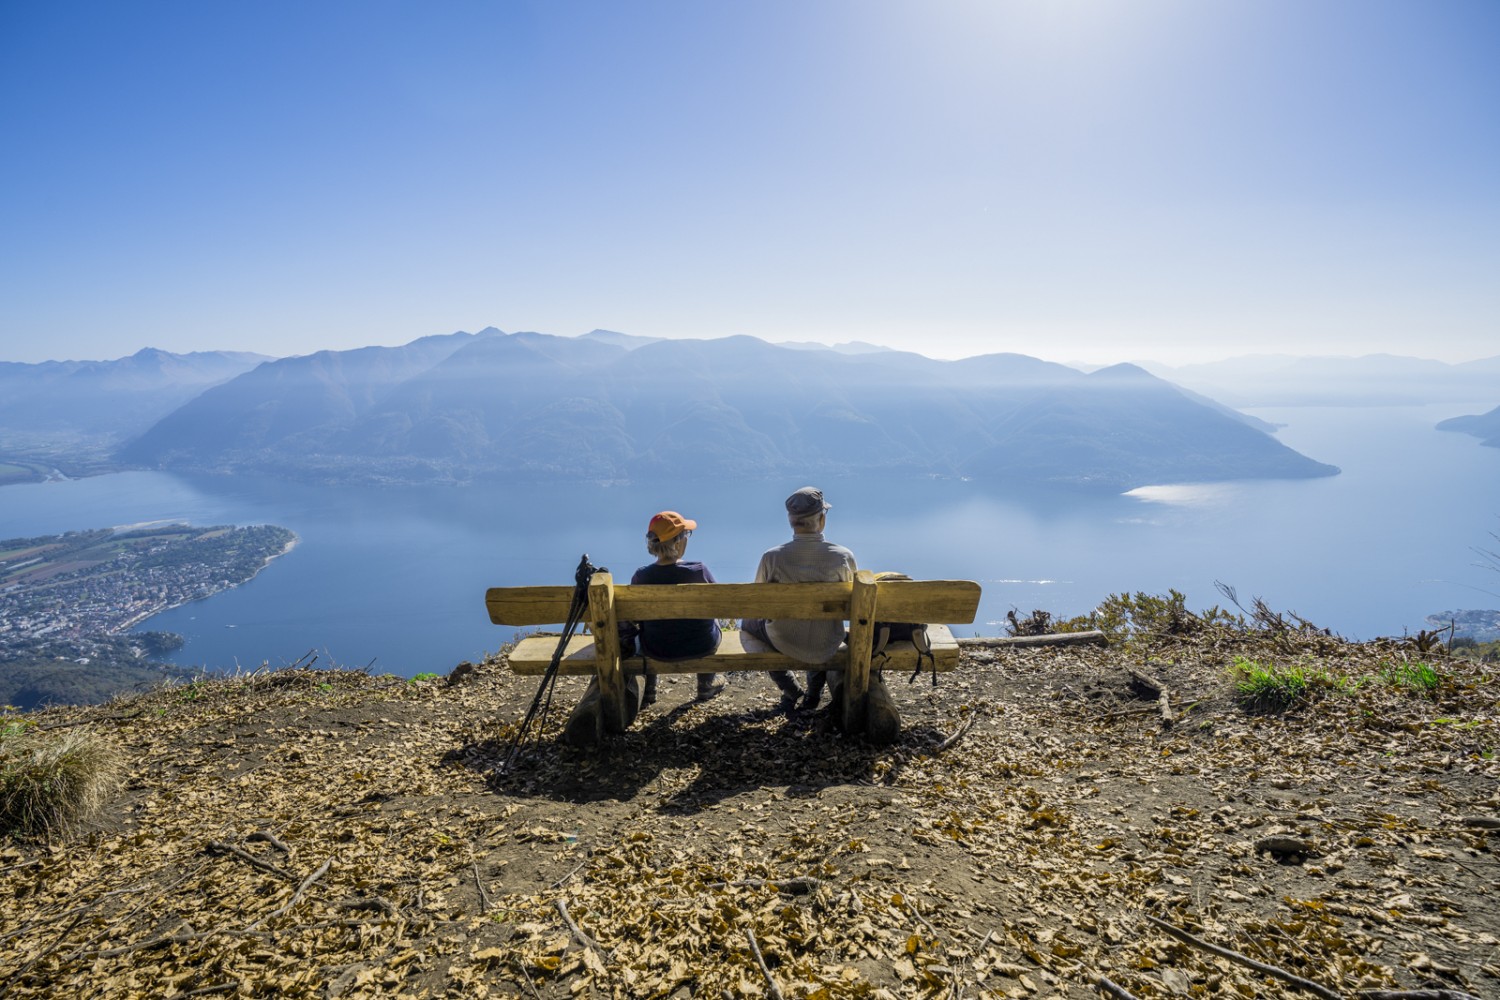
(533, 654)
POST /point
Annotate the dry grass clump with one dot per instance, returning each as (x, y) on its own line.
(48, 783)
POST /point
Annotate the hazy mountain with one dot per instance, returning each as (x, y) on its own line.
(626, 340)
(288, 404)
(528, 406)
(1485, 426)
(97, 404)
(1371, 380)
(848, 347)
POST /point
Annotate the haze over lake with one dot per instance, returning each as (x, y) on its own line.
(397, 576)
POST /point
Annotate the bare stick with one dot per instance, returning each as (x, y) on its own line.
(1054, 639)
(23, 864)
(322, 870)
(760, 961)
(218, 846)
(484, 897)
(270, 838)
(1164, 702)
(1109, 989)
(1296, 982)
(562, 881)
(204, 991)
(1415, 995)
(583, 939)
(957, 735)
(801, 885)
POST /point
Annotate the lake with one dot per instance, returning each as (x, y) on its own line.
(397, 576)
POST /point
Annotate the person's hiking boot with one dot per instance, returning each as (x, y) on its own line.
(707, 687)
(648, 697)
(790, 692)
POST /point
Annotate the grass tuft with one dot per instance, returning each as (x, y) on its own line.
(1271, 687)
(49, 783)
(1419, 678)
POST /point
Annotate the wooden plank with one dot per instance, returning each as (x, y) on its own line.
(861, 642)
(734, 600)
(950, 602)
(946, 601)
(533, 653)
(528, 605)
(607, 653)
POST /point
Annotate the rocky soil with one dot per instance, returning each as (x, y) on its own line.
(1042, 823)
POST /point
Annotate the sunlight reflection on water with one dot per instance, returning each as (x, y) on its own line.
(1188, 494)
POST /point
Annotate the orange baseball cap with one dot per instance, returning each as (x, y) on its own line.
(668, 525)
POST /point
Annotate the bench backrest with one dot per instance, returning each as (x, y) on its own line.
(947, 602)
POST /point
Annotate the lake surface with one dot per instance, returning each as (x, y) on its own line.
(397, 576)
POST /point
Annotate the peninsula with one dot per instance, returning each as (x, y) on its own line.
(68, 602)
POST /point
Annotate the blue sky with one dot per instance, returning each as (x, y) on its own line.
(1073, 179)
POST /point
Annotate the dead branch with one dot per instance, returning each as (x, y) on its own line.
(957, 735)
(1053, 639)
(800, 885)
(1296, 982)
(775, 990)
(583, 939)
(484, 897)
(1415, 995)
(296, 896)
(204, 991)
(268, 837)
(1481, 822)
(1104, 985)
(219, 847)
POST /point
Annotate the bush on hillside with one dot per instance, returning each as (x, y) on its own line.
(49, 783)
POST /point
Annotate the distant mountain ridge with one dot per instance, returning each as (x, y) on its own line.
(84, 405)
(607, 407)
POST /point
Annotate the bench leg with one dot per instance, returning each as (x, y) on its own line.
(873, 716)
(592, 717)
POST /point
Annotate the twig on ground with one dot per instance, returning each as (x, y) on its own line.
(957, 735)
(800, 885)
(266, 836)
(1297, 982)
(583, 939)
(296, 896)
(1108, 988)
(23, 864)
(1093, 638)
(1415, 995)
(205, 990)
(564, 880)
(775, 990)
(219, 847)
(484, 897)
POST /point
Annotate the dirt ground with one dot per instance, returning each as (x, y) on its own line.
(328, 834)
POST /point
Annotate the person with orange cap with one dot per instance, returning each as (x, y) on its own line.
(677, 638)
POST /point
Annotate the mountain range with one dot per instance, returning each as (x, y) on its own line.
(610, 407)
(93, 406)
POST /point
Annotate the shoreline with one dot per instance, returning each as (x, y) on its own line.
(146, 616)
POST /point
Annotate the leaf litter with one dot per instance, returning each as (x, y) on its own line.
(331, 834)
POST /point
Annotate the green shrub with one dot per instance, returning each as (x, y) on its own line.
(48, 783)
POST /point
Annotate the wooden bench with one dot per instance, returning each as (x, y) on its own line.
(866, 705)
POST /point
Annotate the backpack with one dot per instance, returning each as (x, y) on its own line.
(912, 632)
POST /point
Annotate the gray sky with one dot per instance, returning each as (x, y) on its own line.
(1074, 179)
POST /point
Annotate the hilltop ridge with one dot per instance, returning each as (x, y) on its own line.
(315, 833)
